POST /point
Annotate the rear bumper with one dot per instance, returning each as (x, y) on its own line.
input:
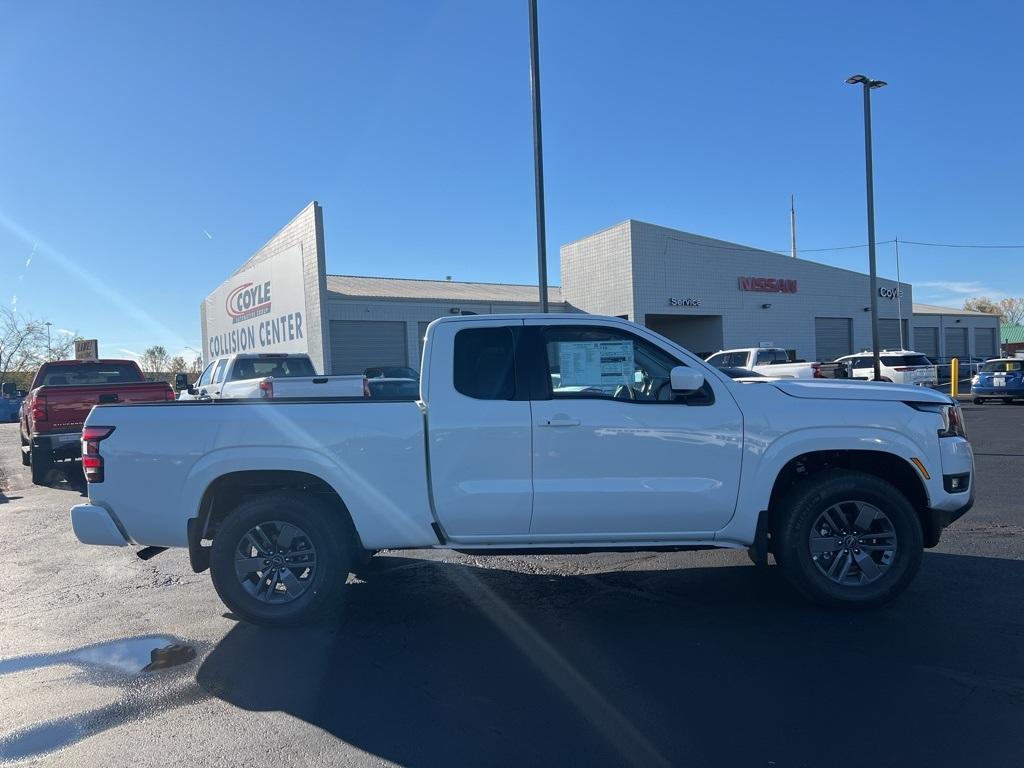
(997, 391)
(63, 445)
(96, 525)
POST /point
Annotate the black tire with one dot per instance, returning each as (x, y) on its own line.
(978, 400)
(800, 510)
(328, 529)
(41, 463)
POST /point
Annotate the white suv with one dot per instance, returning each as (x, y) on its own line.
(899, 366)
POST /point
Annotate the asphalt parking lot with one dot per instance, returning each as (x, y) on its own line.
(665, 659)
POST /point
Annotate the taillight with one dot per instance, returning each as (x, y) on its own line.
(816, 367)
(39, 408)
(169, 395)
(266, 388)
(92, 462)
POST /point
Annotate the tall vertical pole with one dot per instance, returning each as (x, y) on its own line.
(792, 227)
(871, 231)
(538, 161)
(899, 292)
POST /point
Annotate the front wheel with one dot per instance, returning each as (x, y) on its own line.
(282, 559)
(978, 400)
(849, 538)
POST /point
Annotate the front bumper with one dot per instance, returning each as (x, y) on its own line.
(96, 525)
(936, 520)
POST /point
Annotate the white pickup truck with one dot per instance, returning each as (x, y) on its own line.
(534, 433)
(266, 375)
(768, 361)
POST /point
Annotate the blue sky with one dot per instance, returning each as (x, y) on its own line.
(147, 149)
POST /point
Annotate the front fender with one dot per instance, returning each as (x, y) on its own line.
(763, 463)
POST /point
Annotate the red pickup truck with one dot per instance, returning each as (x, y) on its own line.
(61, 396)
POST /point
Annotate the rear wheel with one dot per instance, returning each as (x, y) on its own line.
(978, 400)
(41, 462)
(849, 538)
(282, 559)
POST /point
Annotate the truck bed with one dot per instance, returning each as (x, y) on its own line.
(358, 446)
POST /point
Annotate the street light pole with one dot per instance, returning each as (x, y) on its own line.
(538, 161)
(868, 85)
(49, 347)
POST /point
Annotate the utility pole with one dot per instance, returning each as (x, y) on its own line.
(899, 293)
(538, 160)
(870, 85)
(49, 348)
(792, 227)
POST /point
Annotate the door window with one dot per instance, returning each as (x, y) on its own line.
(207, 376)
(218, 374)
(604, 363)
(765, 357)
(485, 363)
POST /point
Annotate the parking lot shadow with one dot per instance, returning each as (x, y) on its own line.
(443, 664)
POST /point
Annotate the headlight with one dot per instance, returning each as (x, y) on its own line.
(975, 379)
(952, 417)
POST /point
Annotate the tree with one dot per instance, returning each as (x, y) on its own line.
(155, 360)
(1010, 310)
(177, 365)
(22, 343)
(196, 366)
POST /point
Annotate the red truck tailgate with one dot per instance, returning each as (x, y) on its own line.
(67, 406)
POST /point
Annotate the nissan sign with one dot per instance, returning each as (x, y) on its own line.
(260, 309)
(768, 284)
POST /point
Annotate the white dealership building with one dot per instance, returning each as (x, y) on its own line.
(703, 293)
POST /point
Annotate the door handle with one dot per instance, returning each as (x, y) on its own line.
(559, 421)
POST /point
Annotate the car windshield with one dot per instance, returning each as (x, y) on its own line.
(391, 372)
(1002, 366)
(90, 373)
(905, 361)
(728, 359)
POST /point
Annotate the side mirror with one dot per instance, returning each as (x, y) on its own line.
(686, 379)
(180, 381)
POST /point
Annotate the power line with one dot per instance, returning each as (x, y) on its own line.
(957, 245)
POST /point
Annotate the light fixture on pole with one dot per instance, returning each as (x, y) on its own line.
(869, 85)
(538, 160)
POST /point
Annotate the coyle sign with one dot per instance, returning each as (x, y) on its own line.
(768, 284)
(260, 309)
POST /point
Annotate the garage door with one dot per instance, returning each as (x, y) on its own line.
(926, 341)
(833, 337)
(956, 342)
(358, 344)
(889, 333)
(985, 342)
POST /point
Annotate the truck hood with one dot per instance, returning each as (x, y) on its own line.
(831, 389)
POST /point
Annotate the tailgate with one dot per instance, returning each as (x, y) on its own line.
(67, 407)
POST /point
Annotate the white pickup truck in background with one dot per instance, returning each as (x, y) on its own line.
(768, 361)
(534, 433)
(266, 375)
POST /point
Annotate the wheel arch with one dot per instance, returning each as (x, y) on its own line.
(228, 490)
(887, 466)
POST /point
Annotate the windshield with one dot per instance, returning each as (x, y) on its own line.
(905, 361)
(728, 360)
(391, 372)
(90, 373)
